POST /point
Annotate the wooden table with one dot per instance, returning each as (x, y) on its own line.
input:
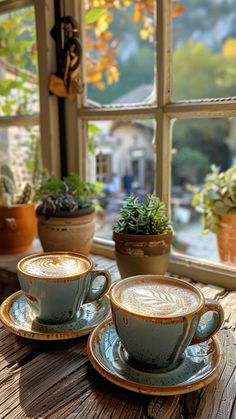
(56, 379)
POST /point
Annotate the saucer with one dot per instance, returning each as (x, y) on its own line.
(200, 365)
(17, 316)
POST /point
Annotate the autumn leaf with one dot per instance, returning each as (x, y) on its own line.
(176, 11)
(229, 48)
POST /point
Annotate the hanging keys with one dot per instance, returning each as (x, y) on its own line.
(67, 82)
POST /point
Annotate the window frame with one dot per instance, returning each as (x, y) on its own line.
(164, 112)
(46, 119)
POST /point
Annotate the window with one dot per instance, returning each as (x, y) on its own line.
(158, 103)
(160, 115)
(19, 93)
(28, 114)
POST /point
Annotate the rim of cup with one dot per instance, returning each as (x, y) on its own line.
(163, 279)
(56, 278)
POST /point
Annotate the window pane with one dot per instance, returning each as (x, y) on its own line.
(119, 51)
(123, 161)
(19, 148)
(204, 41)
(197, 144)
(18, 63)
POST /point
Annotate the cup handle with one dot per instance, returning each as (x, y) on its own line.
(206, 330)
(95, 295)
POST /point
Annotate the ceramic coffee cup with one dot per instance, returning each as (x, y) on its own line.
(56, 284)
(157, 317)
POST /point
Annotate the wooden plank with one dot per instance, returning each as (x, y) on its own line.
(13, 357)
(162, 407)
(37, 377)
(228, 303)
(211, 291)
(211, 402)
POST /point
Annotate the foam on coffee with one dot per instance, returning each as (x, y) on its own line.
(154, 298)
(57, 265)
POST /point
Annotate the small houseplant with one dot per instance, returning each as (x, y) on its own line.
(216, 202)
(66, 212)
(18, 224)
(142, 236)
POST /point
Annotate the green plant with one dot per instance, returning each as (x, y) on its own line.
(216, 196)
(8, 195)
(66, 195)
(148, 217)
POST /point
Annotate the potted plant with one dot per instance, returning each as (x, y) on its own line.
(66, 212)
(142, 236)
(18, 224)
(216, 202)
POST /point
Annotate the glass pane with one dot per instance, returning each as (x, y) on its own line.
(198, 144)
(204, 42)
(123, 161)
(119, 51)
(19, 148)
(18, 63)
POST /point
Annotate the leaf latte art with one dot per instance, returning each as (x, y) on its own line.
(156, 299)
(55, 266)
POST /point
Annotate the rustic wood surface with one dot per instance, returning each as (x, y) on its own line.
(56, 380)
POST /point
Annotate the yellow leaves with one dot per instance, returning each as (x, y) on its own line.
(98, 3)
(7, 24)
(103, 23)
(101, 63)
(229, 48)
(127, 3)
(147, 31)
(112, 75)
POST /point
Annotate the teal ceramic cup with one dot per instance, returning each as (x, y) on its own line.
(56, 284)
(158, 317)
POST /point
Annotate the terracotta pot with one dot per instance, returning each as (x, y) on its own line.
(142, 254)
(71, 232)
(226, 238)
(18, 227)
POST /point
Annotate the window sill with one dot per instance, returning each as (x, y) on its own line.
(200, 271)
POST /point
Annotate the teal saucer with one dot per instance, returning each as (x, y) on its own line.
(200, 365)
(17, 316)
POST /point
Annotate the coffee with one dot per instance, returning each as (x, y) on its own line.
(55, 265)
(152, 298)
(157, 317)
(57, 284)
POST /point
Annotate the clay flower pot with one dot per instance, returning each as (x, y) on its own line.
(226, 238)
(142, 254)
(18, 227)
(68, 231)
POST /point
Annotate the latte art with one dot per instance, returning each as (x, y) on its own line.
(157, 299)
(54, 266)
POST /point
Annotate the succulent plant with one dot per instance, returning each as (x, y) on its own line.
(148, 217)
(8, 190)
(217, 196)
